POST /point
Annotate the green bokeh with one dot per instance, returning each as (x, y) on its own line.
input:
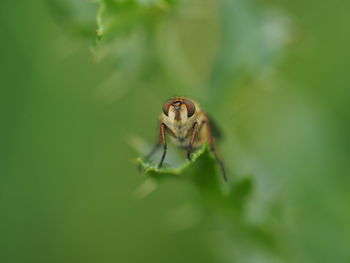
(274, 74)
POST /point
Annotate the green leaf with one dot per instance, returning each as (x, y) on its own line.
(203, 171)
(77, 17)
(151, 166)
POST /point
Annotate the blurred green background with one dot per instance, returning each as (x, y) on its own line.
(274, 74)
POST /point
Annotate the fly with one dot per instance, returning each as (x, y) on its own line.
(188, 127)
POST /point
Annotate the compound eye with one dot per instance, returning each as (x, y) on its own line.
(166, 107)
(191, 109)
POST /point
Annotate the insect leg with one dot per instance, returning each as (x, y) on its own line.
(162, 134)
(193, 137)
(213, 150)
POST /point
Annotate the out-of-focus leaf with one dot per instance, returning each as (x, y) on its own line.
(252, 43)
(77, 17)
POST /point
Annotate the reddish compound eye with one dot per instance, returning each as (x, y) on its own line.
(166, 107)
(191, 109)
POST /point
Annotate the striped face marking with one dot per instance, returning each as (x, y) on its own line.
(179, 109)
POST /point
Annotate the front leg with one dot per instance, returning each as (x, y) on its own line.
(193, 138)
(165, 147)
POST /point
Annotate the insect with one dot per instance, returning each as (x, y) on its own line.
(188, 126)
